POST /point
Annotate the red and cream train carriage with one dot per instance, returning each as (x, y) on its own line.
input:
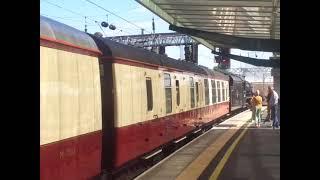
(104, 104)
(156, 99)
(70, 103)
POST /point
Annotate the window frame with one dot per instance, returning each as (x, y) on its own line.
(149, 96)
(223, 91)
(178, 92)
(206, 92)
(167, 76)
(219, 92)
(214, 91)
(192, 96)
(197, 93)
(227, 90)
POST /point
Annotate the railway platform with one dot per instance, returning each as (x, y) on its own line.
(234, 149)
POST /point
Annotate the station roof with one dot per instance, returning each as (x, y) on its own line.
(257, 19)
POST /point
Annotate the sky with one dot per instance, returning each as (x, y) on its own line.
(73, 13)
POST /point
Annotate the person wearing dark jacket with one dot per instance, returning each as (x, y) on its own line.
(273, 103)
(268, 107)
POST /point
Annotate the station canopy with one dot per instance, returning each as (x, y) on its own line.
(255, 20)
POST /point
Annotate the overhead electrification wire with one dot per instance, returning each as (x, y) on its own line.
(86, 17)
(116, 15)
(76, 14)
(53, 4)
(64, 18)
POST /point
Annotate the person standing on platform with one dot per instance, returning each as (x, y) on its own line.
(253, 108)
(257, 100)
(268, 107)
(274, 107)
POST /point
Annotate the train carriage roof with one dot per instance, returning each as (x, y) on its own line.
(236, 78)
(115, 49)
(216, 74)
(61, 32)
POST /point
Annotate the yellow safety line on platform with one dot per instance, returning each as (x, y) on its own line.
(225, 158)
(194, 170)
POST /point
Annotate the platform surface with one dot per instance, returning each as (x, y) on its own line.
(256, 156)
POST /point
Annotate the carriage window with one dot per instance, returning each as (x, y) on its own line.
(149, 94)
(197, 93)
(214, 92)
(219, 91)
(206, 91)
(227, 89)
(168, 92)
(192, 92)
(223, 91)
(178, 92)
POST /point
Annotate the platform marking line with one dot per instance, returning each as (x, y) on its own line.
(193, 170)
(181, 148)
(196, 167)
(225, 158)
(217, 146)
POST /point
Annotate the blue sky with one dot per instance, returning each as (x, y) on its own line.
(133, 12)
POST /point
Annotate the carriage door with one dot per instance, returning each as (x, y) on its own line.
(152, 108)
(201, 100)
(198, 111)
(178, 123)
